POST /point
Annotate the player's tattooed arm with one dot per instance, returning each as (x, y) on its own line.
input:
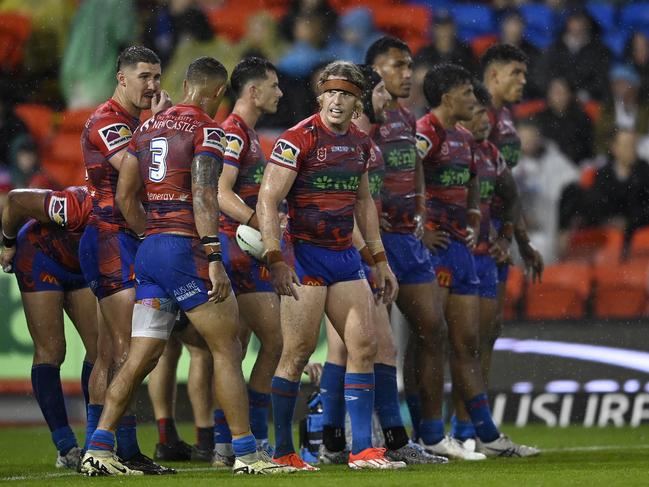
(205, 178)
(23, 204)
(129, 184)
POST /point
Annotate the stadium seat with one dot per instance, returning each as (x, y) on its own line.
(621, 290)
(267, 144)
(541, 24)
(15, 30)
(593, 109)
(39, 120)
(635, 16)
(600, 244)
(616, 42)
(64, 160)
(435, 5)
(639, 246)
(402, 20)
(561, 295)
(479, 45)
(528, 108)
(74, 120)
(229, 21)
(473, 21)
(514, 291)
(604, 14)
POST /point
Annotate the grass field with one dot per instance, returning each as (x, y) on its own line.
(572, 456)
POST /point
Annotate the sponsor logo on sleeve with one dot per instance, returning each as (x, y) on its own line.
(233, 146)
(423, 144)
(115, 135)
(213, 137)
(58, 210)
(285, 153)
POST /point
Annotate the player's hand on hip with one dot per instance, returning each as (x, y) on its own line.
(160, 102)
(220, 283)
(7, 257)
(436, 239)
(499, 250)
(284, 279)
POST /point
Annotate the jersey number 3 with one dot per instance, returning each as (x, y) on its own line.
(159, 149)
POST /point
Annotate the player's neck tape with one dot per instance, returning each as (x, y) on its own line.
(340, 84)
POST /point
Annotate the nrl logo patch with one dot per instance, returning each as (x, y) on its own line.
(213, 137)
(321, 154)
(285, 153)
(384, 131)
(233, 145)
(58, 210)
(115, 135)
(423, 144)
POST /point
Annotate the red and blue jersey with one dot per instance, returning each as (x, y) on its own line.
(165, 146)
(69, 211)
(108, 130)
(396, 139)
(376, 176)
(449, 163)
(504, 136)
(490, 166)
(329, 168)
(243, 151)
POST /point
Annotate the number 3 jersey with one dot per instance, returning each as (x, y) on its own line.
(165, 146)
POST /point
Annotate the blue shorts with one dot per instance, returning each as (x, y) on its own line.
(455, 269)
(409, 258)
(503, 269)
(35, 271)
(318, 266)
(107, 260)
(246, 273)
(487, 272)
(172, 266)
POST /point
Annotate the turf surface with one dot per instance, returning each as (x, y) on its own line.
(573, 456)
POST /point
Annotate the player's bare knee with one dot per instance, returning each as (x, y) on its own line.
(295, 362)
(362, 350)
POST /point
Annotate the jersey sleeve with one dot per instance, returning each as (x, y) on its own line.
(209, 140)
(69, 208)
(110, 134)
(428, 140)
(289, 150)
(236, 145)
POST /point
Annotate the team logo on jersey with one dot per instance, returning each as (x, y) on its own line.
(213, 137)
(321, 154)
(384, 131)
(285, 153)
(423, 144)
(115, 135)
(233, 145)
(58, 210)
(445, 150)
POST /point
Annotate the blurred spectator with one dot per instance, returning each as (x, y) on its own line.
(637, 54)
(26, 171)
(261, 38)
(299, 8)
(445, 46)
(566, 123)
(542, 173)
(171, 21)
(12, 130)
(356, 32)
(512, 28)
(620, 194)
(625, 110)
(100, 30)
(579, 56)
(308, 50)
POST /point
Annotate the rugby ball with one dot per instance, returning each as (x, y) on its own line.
(249, 241)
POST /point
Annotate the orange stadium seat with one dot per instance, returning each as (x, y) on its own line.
(480, 44)
(600, 244)
(230, 21)
(15, 30)
(514, 292)
(621, 290)
(639, 246)
(593, 109)
(562, 294)
(528, 109)
(74, 120)
(267, 144)
(402, 20)
(39, 120)
(64, 160)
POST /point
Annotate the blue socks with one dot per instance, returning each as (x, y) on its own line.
(244, 446)
(284, 396)
(221, 429)
(102, 440)
(386, 396)
(332, 392)
(127, 446)
(478, 409)
(462, 430)
(431, 431)
(93, 413)
(359, 398)
(46, 384)
(414, 407)
(259, 402)
(86, 369)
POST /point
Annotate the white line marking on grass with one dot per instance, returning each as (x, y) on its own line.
(594, 448)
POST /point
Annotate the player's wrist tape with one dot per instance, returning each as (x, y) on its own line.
(273, 257)
(215, 257)
(507, 231)
(8, 241)
(380, 257)
(366, 255)
(375, 246)
(210, 239)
